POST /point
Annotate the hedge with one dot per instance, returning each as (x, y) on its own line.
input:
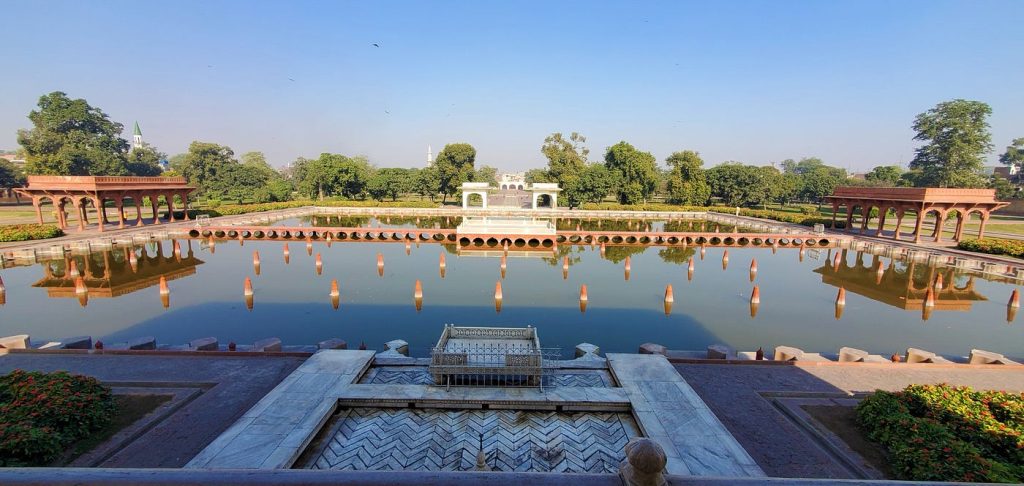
(42, 414)
(946, 433)
(994, 246)
(236, 209)
(23, 232)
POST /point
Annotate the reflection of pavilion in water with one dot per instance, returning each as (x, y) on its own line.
(111, 273)
(905, 289)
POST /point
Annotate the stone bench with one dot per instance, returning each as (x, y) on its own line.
(142, 343)
(979, 356)
(268, 345)
(652, 348)
(204, 344)
(787, 353)
(854, 355)
(333, 343)
(915, 355)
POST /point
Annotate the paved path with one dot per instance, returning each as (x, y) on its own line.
(234, 385)
(778, 446)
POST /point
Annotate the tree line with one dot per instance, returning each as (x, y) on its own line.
(71, 137)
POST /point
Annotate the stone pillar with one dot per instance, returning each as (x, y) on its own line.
(170, 207)
(940, 220)
(981, 229)
(184, 203)
(849, 217)
(137, 199)
(465, 200)
(39, 210)
(917, 225)
(865, 215)
(81, 213)
(101, 218)
(62, 219)
(959, 225)
(899, 223)
(835, 209)
(119, 202)
(882, 212)
(154, 199)
(554, 201)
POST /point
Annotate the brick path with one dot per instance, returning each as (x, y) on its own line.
(235, 384)
(778, 446)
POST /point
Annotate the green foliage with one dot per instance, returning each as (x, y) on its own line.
(687, 183)
(994, 246)
(24, 232)
(236, 209)
(486, 174)
(1004, 188)
(392, 183)
(592, 185)
(331, 175)
(426, 182)
(144, 161)
(946, 433)
(956, 138)
(885, 175)
(1014, 155)
(454, 165)
(538, 175)
(70, 137)
(276, 190)
(639, 172)
(10, 175)
(41, 414)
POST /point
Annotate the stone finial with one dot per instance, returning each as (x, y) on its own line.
(644, 464)
(652, 348)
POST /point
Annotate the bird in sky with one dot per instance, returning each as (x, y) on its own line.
(292, 80)
(376, 45)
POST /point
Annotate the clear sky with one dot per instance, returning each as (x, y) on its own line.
(754, 81)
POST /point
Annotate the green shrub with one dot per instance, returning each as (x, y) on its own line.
(993, 246)
(236, 209)
(41, 414)
(23, 232)
(945, 433)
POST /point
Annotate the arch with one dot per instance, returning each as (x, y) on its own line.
(469, 198)
(520, 187)
(543, 201)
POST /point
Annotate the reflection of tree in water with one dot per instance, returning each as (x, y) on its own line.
(571, 251)
(337, 221)
(362, 221)
(676, 254)
(616, 254)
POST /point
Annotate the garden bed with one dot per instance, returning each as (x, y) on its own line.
(842, 422)
(946, 433)
(25, 232)
(128, 410)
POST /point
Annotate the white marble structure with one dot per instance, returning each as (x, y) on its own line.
(479, 188)
(539, 189)
(512, 181)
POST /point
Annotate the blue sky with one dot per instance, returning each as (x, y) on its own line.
(756, 81)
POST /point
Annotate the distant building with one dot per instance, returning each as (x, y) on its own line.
(430, 157)
(13, 158)
(512, 180)
(1010, 173)
(136, 137)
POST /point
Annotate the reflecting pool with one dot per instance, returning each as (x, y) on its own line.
(884, 311)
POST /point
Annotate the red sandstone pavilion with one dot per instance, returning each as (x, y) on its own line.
(919, 200)
(80, 190)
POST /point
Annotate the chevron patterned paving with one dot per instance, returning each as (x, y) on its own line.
(448, 440)
(420, 376)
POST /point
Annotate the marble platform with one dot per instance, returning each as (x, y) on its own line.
(281, 426)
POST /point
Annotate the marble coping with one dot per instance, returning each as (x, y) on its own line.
(275, 431)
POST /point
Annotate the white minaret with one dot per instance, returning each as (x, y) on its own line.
(430, 156)
(137, 137)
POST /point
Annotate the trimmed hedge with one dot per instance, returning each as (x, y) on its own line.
(236, 209)
(946, 433)
(993, 246)
(41, 414)
(24, 232)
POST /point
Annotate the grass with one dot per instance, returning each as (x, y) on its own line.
(842, 421)
(130, 408)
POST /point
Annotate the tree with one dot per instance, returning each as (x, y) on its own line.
(1004, 189)
(454, 166)
(70, 137)
(1014, 155)
(639, 172)
(145, 161)
(276, 190)
(745, 185)
(11, 177)
(885, 175)
(538, 175)
(391, 183)
(956, 138)
(486, 174)
(593, 184)
(687, 183)
(566, 158)
(821, 181)
(205, 166)
(331, 174)
(426, 182)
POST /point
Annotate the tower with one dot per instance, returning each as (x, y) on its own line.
(430, 156)
(137, 137)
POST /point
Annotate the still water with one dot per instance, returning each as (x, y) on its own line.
(882, 315)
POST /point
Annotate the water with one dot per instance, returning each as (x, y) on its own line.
(291, 300)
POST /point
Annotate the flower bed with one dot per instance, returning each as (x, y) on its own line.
(946, 433)
(23, 232)
(994, 246)
(41, 414)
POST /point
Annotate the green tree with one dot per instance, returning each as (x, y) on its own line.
(593, 184)
(733, 182)
(11, 177)
(1014, 155)
(687, 183)
(454, 166)
(392, 182)
(956, 138)
(885, 175)
(276, 190)
(1004, 188)
(426, 182)
(70, 137)
(820, 182)
(566, 158)
(330, 175)
(639, 172)
(205, 166)
(486, 174)
(538, 175)
(145, 161)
